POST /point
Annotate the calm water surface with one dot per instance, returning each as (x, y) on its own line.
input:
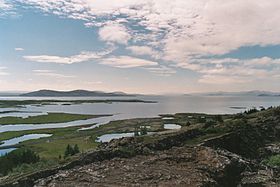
(164, 105)
(23, 138)
(171, 126)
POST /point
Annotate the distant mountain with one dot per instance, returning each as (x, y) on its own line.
(74, 93)
(243, 93)
(10, 94)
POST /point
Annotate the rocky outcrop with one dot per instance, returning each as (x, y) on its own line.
(183, 166)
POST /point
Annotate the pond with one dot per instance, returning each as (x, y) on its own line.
(167, 118)
(109, 137)
(171, 126)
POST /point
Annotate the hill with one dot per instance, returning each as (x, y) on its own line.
(255, 93)
(74, 93)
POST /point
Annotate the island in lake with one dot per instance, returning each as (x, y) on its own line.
(74, 93)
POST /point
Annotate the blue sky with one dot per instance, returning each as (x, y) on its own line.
(152, 46)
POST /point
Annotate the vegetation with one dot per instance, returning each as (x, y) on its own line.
(16, 158)
(273, 161)
(52, 147)
(140, 131)
(49, 118)
(71, 150)
(251, 111)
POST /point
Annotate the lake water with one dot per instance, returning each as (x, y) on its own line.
(109, 137)
(120, 110)
(171, 126)
(23, 138)
(5, 151)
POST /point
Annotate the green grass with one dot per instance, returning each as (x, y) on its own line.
(52, 147)
(48, 118)
(273, 161)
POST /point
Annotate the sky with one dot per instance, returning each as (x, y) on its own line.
(147, 46)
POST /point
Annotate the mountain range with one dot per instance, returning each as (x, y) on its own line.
(74, 93)
(242, 93)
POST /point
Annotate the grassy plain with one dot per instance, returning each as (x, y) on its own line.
(48, 118)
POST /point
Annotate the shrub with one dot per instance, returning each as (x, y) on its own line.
(251, 111)
(70, 150)
(143, 130)
(273, 161)
(16, 158)
(209, 123)
(136, 133)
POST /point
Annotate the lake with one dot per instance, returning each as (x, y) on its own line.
(120, 110)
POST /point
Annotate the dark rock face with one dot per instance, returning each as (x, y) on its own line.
(183, 166)
(248, 139)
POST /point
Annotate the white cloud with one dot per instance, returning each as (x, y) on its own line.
(144, 50)
(186, 28)
(2, 71)
(230, 70)
(50, 73)
(127, 62)
(5, 5)
(19, 49)
(181, 31)
(6, 8)
(114, 33)
(219, 79)
(162, 70)
(94, 82)
(42, 71)
(82, 57)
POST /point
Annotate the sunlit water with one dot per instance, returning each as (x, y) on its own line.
(23, 138)
(171, 126)
(119, 111)
(109, 137)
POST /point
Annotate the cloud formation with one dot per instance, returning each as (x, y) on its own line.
(194, 27)
(127, 62)
(50, 73)
(144, 50)
(179, 33)
(2, 71)
(230, 70)
(5, 5)
(114, 33)
(162, 70)
(82, 57)
(19, 49)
